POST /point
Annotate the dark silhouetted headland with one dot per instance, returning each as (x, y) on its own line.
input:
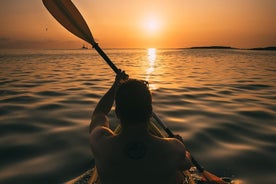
(271, 48)
(212, 47)
(264, 48)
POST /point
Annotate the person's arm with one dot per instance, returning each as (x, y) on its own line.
(99, 116)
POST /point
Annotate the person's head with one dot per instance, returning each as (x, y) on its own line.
(133, 101)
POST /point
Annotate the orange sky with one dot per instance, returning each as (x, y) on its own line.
(143, 23)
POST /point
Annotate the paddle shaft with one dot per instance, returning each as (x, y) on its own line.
(105, 57)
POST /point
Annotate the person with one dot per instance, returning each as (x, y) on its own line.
(133, 156)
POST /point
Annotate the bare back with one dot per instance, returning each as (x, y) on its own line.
(146, 159)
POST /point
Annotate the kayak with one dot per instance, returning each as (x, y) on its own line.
(191, 176)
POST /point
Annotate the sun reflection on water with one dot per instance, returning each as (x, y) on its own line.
(150, 69)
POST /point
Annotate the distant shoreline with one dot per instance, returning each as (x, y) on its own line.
(270, 48)
(264, 48)
(212, 47)
(227, 47)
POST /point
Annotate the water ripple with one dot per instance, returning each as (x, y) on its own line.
(50, 93)
(258, 114)
(22, 99)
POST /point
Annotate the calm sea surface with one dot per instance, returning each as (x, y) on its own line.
(223, 103)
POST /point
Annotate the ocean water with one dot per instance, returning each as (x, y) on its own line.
(222, 102)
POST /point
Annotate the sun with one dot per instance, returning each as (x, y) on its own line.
(152, 26)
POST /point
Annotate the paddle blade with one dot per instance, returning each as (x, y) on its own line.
(65, 12)
(212, 179)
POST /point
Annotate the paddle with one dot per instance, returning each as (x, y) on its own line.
(65, 12)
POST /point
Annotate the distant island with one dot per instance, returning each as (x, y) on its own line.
(264, 48)
(212, 47)
(272, 48)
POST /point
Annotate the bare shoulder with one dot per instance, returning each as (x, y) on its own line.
(100, 138)
(172, 144)
(180, 154)
(175, 147)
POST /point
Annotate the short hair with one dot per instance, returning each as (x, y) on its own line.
(133, 101)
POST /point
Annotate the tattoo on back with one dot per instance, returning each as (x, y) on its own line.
(136, 150)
